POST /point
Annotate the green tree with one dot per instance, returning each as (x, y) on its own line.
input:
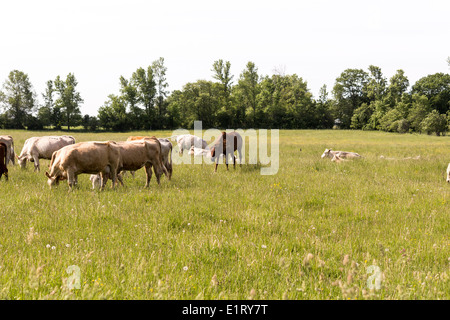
(159, 73)
(436, 88)
(69, 100)
(45, 113)
(376, 85)
(222, 73)
(398, 84)
(245, 93)
(113, 115)
(349, 93)
(143, 81)
(361, 116)
(434, 123)
(419, 110)
(17, 99)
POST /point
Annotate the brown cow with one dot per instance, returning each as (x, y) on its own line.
(142, 153)
(166, 150)
(3, 160)
(85, 157)
(226, 145)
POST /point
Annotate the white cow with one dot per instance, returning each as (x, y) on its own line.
(448, 173)
(9, 142)
(36, 148)
(186, 141)
(341, 154)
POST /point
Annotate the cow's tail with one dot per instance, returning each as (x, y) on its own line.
(5, 154)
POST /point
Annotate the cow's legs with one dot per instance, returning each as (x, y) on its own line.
(70, 179)
(36, 164)
(148, 171)
(240, 157)
(234, 162)
(225, 160)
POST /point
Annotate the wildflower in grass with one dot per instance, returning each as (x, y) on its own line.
(264, 246)
(53, 248)
(47, 246)
(185, 268)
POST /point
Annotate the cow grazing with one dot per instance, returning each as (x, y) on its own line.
(85, 157)
(342, 154)
(448, 173)
(3, 160)
(36, 148)
(166, 151)
(9, 142)
(226, 144)
(142, 153)
(186, 141)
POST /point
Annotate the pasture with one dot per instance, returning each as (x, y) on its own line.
(311, 231)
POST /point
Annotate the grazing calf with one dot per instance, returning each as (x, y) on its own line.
(226, 145)
(342, 154)
(36, 148)
(3, 160)
(448, 173)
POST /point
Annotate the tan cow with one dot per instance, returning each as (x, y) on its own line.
(141, 153)
(85, 157)
(36, 148)
(166, 150)
(9, 142)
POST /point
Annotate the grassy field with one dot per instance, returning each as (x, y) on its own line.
(312, 231)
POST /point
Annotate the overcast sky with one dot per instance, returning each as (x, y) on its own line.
(98, 41)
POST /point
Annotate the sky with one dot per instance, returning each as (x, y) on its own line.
(98, 41)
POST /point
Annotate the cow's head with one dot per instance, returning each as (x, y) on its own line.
(52, 181)
(326, 153)
(22, 161)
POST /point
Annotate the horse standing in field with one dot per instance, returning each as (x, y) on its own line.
(3, 160)
(226, 145)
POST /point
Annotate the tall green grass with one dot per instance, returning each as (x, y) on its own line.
(309, 232)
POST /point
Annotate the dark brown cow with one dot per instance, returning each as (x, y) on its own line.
(226, 145)
(3, 160)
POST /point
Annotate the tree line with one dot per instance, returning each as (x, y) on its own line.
(359, 99)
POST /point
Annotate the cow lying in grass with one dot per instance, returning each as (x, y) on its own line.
(341, 154)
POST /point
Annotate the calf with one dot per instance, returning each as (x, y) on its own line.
(3, 160)
(186, 141)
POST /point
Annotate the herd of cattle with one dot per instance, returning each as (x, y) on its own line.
(110, 159)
